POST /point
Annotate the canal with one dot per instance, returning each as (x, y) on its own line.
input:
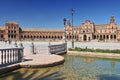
(74, 68)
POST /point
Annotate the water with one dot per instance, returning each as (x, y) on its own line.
(74, 68)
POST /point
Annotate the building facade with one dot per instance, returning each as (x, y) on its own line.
(87, 31)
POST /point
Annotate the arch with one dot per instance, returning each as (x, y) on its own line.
(107, 36)
(100, 36)
(70, 36)
(114, 36)
(43, 36)
(97, 36)
(67, 37)
(55, 36)
(75, 36)
(111, 36)
(52, 36)
(40, 36)
(61, 37)
(84, 37)
(28, 36)
(31, 36)
(103, 36)
(94, 36)
(89, 38)
(49, 37)
(37, 36)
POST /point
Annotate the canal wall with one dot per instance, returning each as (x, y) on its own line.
(94, 54)
(9, 68)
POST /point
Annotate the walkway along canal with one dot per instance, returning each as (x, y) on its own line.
(14, 55)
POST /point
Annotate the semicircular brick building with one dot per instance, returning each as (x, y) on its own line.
(87, 31)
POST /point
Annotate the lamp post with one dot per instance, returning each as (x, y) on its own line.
(72, 12)
(64, 20)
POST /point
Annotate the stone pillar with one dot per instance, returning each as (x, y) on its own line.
(21, 53)
(15, 44)
(32, 48)
(109, 37)
(49, 48)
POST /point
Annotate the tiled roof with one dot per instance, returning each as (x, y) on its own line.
(12, 22)
(118, 27)
(77, 27)
(2, 27)
(43, 29)
(101, 26)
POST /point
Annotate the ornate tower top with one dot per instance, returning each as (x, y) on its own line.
(68, 22)
(112, 20)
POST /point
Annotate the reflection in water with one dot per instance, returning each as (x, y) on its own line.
(88, 60)
(34, 74)
(74, 68)
(112, 64)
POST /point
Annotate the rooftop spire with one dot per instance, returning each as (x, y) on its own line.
(112, 20)
(68, 22)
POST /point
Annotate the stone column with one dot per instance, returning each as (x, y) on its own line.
(109, 37)
(21, 52)
(32, 48)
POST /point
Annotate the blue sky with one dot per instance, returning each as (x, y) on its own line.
(50, 13)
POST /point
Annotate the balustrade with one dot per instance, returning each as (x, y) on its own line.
(11, 55)
(58, 49)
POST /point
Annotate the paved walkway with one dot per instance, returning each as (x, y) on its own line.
(42, 60)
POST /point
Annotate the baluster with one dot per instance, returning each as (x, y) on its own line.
(8, 56)
(4, 56)
(1, 56)
(19, 54)
(13, 54)
(16, 54)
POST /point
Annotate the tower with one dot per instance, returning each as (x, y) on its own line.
(112, 20)
(68, 22)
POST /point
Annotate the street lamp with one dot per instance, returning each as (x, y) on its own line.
(64, 20)
(72, 12)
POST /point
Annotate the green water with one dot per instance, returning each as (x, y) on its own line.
(74, 68)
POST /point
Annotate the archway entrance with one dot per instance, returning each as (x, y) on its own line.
(85, 38)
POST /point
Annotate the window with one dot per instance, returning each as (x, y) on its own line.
(1, 36)
(21, 36)
(14, 31)
(14, 36)
(8, 36)
(11, 31)
(8, 31)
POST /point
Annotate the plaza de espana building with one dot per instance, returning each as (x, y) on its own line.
(87, 31)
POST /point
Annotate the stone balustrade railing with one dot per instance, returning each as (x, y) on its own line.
(58, 49)
(11, 55)
(52, 49)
